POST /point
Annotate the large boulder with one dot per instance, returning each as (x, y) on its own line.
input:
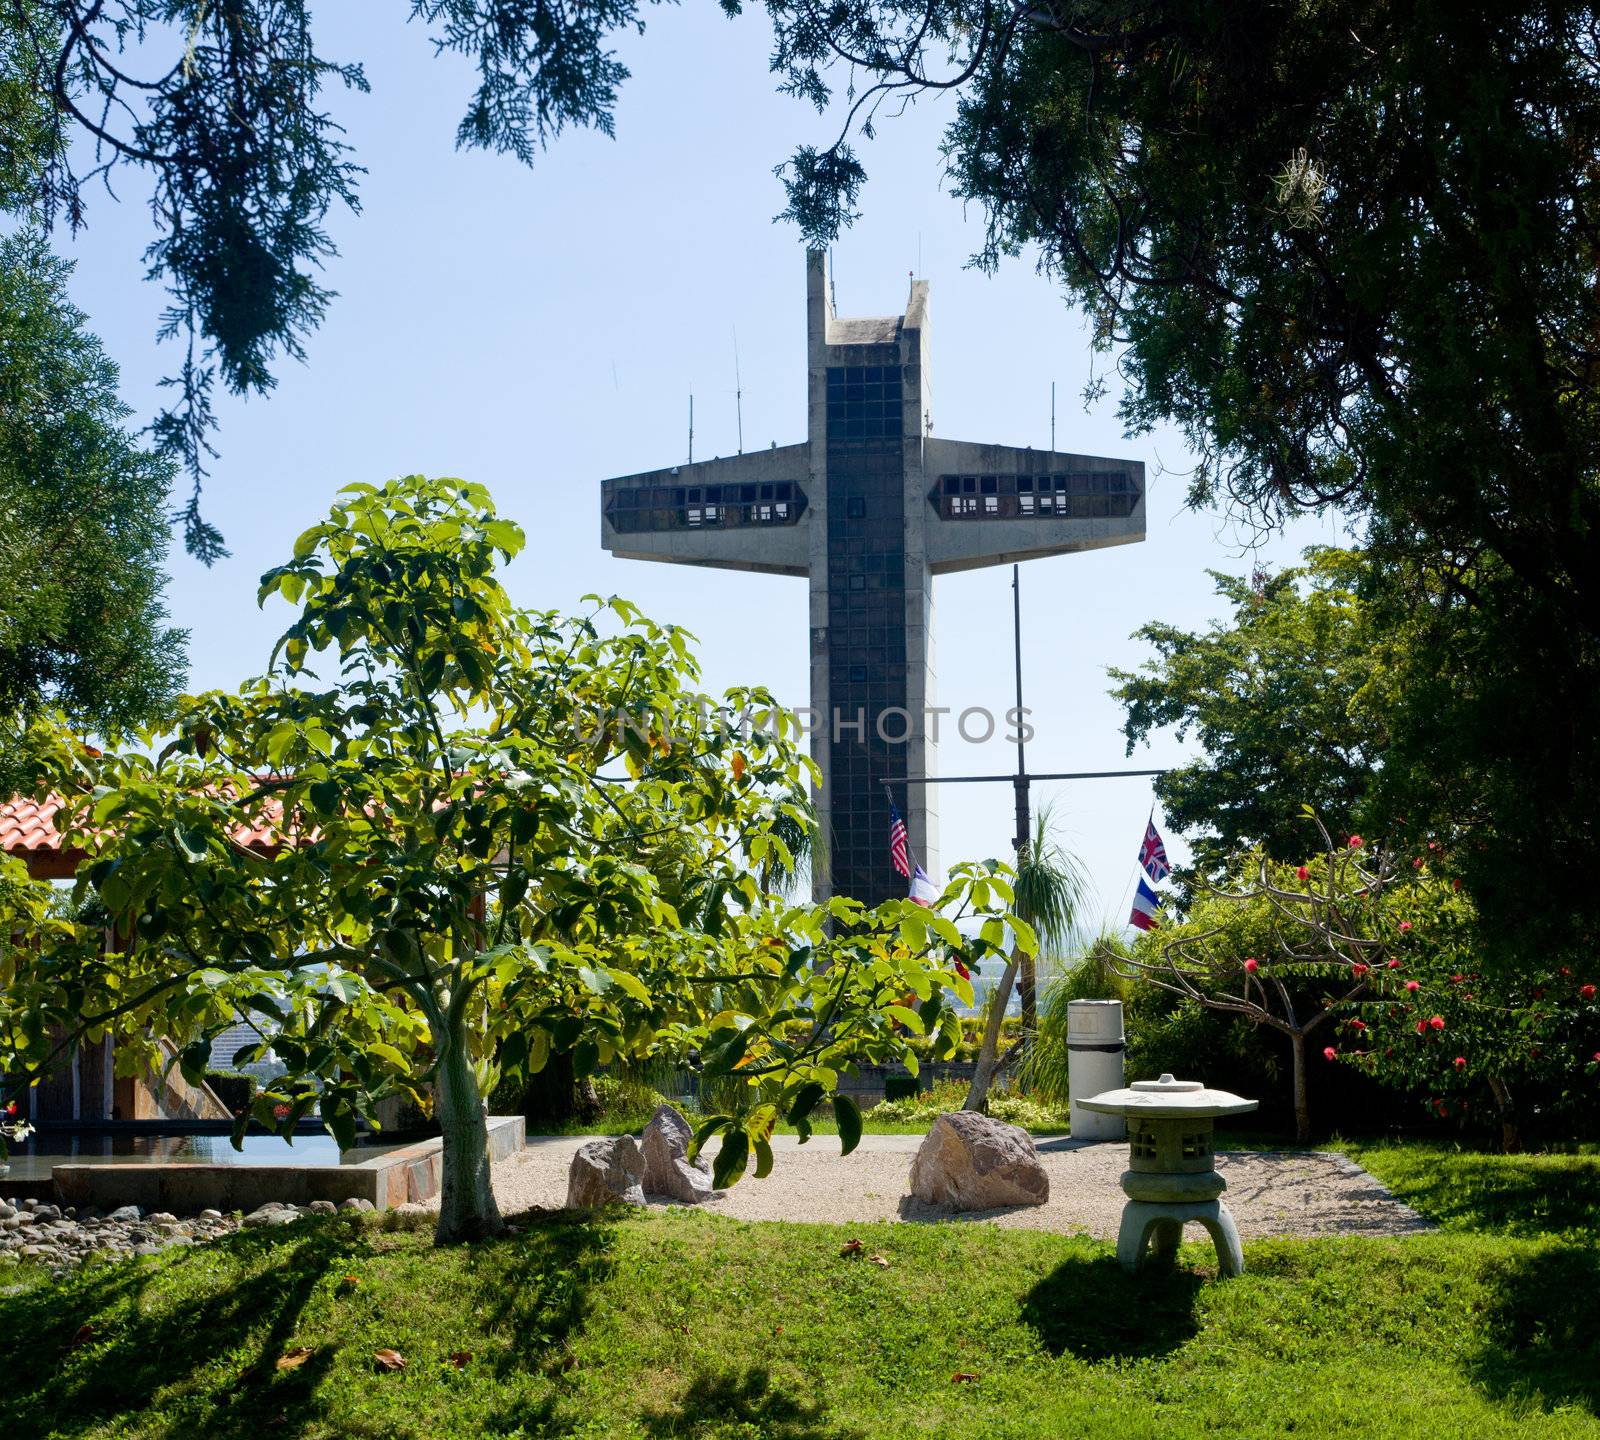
(668, 1171)
(975, 1162)
(606, 1172)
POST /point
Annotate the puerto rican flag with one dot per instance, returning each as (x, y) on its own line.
(1153, 854)
(923, 890)
(899, 845)
(1146, 904)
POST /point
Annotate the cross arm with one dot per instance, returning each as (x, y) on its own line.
(993, 504)
(746, 512)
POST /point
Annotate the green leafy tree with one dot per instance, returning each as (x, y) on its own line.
(1279, 696)
(222, 106)
(1348, 249)
(83, 533)
(444, 838)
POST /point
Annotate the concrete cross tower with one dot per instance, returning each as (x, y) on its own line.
(870, 508)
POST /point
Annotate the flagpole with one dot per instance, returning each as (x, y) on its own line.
(1024, 823)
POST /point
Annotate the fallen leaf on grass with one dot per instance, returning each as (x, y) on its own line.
(963, 1377)
(390, 1359)
(879, 1260)
(294, 1359)
(461, 1358)
(850, 1247)
(85, 1334)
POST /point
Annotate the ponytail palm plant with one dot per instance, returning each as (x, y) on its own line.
(1049, 893)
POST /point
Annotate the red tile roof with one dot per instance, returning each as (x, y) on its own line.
(28, 832)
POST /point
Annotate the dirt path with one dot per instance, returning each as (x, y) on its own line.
(1271, 1193)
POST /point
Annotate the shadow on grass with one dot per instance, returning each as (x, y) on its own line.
(1541, 1329)
(142, 1344)
(537, 1287)
(1512, 1194)
(748, 1403)
(1095, 1310)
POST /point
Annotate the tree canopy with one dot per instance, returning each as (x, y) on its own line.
(443, 838)
(83, 530)
(1279, 697)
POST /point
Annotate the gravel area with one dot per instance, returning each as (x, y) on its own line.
(1269, 1193)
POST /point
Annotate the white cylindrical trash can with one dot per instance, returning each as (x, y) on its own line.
(1094, 1064)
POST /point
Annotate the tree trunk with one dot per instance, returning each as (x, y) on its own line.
(467, 1209)
(1028, 987)
(1302, 1103)
(978, 1094)
(1506, 1108)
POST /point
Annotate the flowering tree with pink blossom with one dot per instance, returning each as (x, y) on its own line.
(1288, 947)
(1374, 953)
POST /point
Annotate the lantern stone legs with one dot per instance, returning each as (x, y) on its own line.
(1171, 1179)
(1158, 1226)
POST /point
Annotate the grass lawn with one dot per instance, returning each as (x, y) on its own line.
(682, 1324)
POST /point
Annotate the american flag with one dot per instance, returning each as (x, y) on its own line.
(899, 845)
(1153, 854)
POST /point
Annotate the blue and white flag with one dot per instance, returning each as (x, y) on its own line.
(1146, 904)
(923, 890)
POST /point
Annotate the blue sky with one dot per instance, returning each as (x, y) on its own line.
(539, 330)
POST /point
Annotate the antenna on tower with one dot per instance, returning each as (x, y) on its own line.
(833, 289)
(1052, 417)
(738, 389)
(691, 427)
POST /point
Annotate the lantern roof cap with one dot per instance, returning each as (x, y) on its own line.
(1168, 1098)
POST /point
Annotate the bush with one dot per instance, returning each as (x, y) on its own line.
(233, 1087)
(899, 1087)
(947, 1095)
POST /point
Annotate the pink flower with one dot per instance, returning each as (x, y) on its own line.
(1302, 874)
(281, 1111)
(1355, 842)
(1394, 964)
(1251, 967)
(1417, 863)
(1358, 970)
(1413, 986)
(1587, 991)
(1329, 1052)
(1422, 1027)
(1437, 1022)
(11, 1107)
(1455, 979)
(1461, 1062)
(1358, 1024)
(1404, 926)
(1597, 1057)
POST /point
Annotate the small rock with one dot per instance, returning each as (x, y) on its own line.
(668, 1171)
(975, 1162)
(211, 1215)
(124, 1213)
(323, 1207)
(46, 1212)
(147, 1249)
(161, 1217)
(274, 1212)
(606, 1172)
(7, 1211)
(356, 1203)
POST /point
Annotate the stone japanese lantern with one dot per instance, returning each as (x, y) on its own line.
(1171, 1177)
